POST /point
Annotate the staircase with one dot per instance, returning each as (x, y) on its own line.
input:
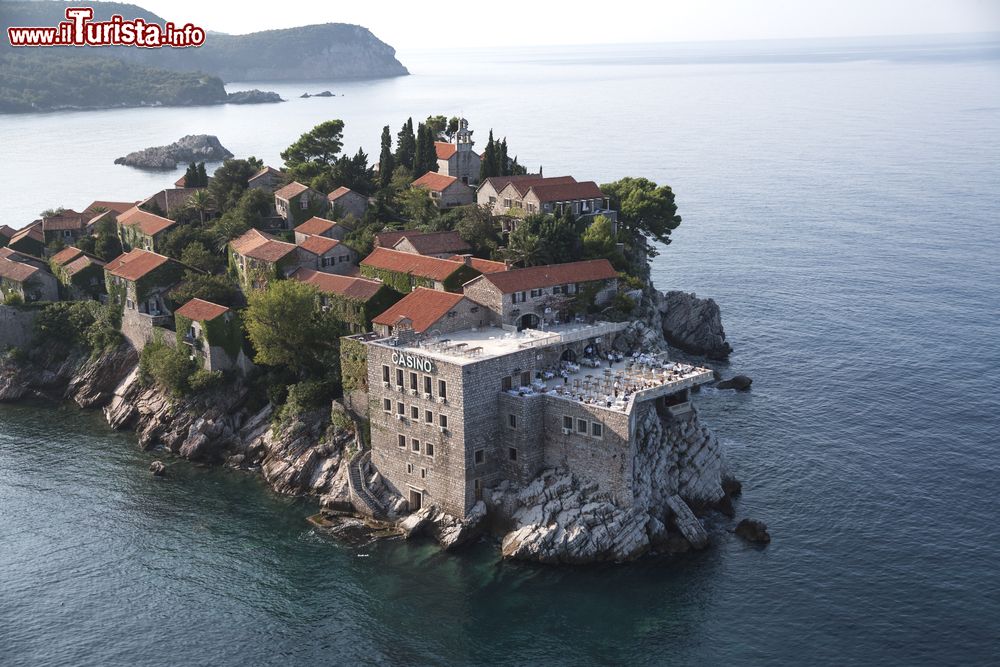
(362, 498)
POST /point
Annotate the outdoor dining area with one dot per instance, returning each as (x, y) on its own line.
(608, 383)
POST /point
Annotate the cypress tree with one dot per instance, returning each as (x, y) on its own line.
(487, 167)
(191, 176)
(386, 161)
(202, 175)
(502, 162)
(420, 154)
(430, 152)
(406, 145)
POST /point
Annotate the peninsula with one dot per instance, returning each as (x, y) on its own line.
(446, 345)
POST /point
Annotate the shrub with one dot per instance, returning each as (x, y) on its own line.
(13, 299)
(302, 397)
(87, 324)
(203, 380)
(168, 367)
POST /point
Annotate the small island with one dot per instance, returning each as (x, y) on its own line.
(450, 346)
(192, 148)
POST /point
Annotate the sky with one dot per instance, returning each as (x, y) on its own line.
(409, 25)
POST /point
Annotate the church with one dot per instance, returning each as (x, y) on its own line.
(456, 157)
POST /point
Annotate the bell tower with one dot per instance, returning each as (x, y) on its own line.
(463, 137)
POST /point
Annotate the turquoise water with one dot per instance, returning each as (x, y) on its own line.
(843, 213)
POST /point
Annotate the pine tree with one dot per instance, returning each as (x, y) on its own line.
(406, 145)
(386, 160)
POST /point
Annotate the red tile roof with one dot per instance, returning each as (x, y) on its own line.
(16, 271)
(524, 181)
(32, 231)
(266, 170)
(259, 245)
(292, 189)
(482, 265)
(116, 206)
(536, 277)
(435, 243)
(422, 306)
(135, 264)
(66, 255)
(147, 223)
(319, 245)
(7, 231)
(81, 263)
(444, 149)
(556, 192)
(316, 225)
(340, 192)
(389, 239)
(407, 262)
(434, 182)
(351, 287)
(201, 310)
(68, 219)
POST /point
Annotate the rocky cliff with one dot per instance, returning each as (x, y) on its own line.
(191, 148)
(694, 325)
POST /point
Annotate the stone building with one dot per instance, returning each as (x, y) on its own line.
(212, 332)
(456, 157)
(66, 227)
(267, 179)
(6, 233)
(455, 414)
(140, 229)
(317, 226)
(538, 295)
(426, 310)
(488, 192)
(164, 201)
(29, 240)
(257, 257)
(138, 281)
(355, 300)
(26, 280)
(327, 255)
(404, 271)
(81, 276)
(350, 202)
(445, 191)
(442, 245)
(295, 203)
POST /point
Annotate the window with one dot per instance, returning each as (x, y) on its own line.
(474, 309)
(557, 289)
(387, 404)
(427, 384)
(385, 373)
(493, 200)
(428, 416)
(596, 429)
(443, 421)
(409, 468)
(452, 313)
(402, 440)
(568, 422)
(399, 378)
(400, 408)
(442, 389)
(536, 293)
(413, 381)
(506, 202)
(423, 473)
(505, 384)
(414, 412)
(512, 420)
(344, 258)
(581, 426)
(525, 378)
(415, 445)
(512, 453)
(429, 448)
(480, 456)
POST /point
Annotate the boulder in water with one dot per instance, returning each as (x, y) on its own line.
(753, 530)
(158, 468)
(739, 383)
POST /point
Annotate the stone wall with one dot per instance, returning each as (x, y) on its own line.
(16, 326)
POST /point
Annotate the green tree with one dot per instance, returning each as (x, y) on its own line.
(488, 165)
(202, 175)
(438, 126)
(599, 241)
(230, 181)
(425, 159)
(417, 207)
(523, 247)
(386, 160)
(201, 202)
(354, 173)
(315, 152)
(169, 367)
(406, 145)
(195, 285)
(479, 229)
(287, 328)
(197, 256)
(646, 211)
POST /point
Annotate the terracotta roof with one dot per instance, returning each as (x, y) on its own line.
(135, 264)
(436, 243)
(66, 255)
(524, 181)
(389, 239)
(422, 306)
(482, 265)
(351, 287)
(266, 170)
(258, 245)
(32, 231)
(116, 206)
(201, 310)
(181, 182)
(555, 192)
(147, 223)
(68, 219)
(170, 198)
(7, 231)
(318, 245)
(315, 225)
(444, 149)
(535, 277)
(290, 190)
(407, 262)
(434, 181)
(81, 263)
(340, 192)
(16, 271)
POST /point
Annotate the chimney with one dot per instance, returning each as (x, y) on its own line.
(467, 260)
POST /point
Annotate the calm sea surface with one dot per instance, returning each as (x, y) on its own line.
(841, 205)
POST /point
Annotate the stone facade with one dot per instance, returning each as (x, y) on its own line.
(17, 326)
(532, 307)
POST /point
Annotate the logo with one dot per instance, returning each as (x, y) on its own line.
(79, 30)
(410, 361)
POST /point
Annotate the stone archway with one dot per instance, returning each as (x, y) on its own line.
(568, 355)
(527, 321)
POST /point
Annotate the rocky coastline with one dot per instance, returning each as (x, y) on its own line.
(191, 148)
(680, 473)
